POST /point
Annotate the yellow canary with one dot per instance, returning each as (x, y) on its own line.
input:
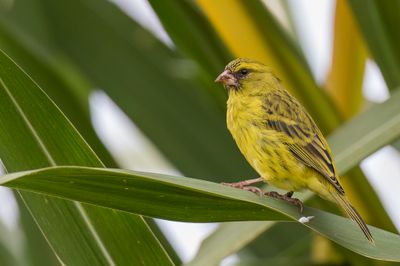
(279, 138)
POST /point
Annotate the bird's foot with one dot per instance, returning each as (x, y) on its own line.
(255, 190)
(287, 197)
(245, 185)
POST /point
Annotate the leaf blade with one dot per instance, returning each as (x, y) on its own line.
(344, 82)
(379, 23)
(366, 133)
(92, 185)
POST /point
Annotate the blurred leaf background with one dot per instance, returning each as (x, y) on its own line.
(110, 73)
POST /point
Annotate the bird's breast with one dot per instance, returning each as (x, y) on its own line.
(245, 122)
(263, 148)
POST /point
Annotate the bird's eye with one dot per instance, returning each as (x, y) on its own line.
(244, 71)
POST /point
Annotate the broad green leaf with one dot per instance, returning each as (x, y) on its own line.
(192, 200)
(374, 129)
(345, 78)
(379, 22)
(173, 198)
(36, 134)
(150, 83)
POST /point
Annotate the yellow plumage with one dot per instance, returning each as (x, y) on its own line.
(278, 137)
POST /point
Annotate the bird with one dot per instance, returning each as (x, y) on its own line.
(279, 139)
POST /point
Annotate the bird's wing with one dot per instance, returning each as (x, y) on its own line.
(285, 115)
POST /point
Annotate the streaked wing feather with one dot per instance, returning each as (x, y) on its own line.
(308, 144)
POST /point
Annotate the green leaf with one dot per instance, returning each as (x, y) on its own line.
(36, 134)
(366, 133)
(379, 22)
(345, 78)
(193, 200)
(119, 187)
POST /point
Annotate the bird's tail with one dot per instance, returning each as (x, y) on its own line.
(353, 214)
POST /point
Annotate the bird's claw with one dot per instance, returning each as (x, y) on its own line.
(287, 197)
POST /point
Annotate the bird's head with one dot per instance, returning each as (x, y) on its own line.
(245, 75)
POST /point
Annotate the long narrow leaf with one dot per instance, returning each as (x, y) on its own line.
(366, 133)
(36, 134)
(193, 200)
(379, 22)
(345, 78)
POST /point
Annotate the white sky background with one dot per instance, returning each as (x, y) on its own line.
(312, 19)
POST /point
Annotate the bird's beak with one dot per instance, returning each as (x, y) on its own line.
(227, 78)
